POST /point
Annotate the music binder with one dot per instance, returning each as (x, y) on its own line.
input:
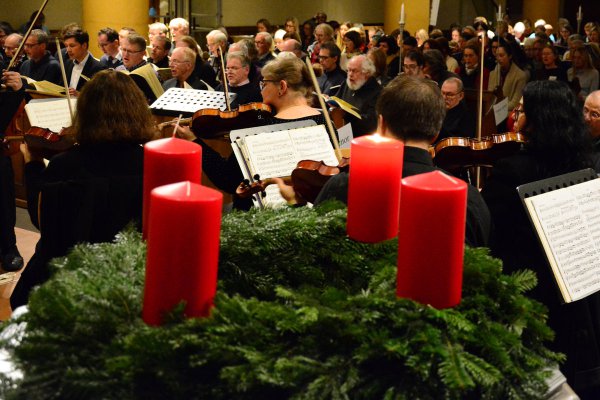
(274, 151)
(565, 214)
(177, 101)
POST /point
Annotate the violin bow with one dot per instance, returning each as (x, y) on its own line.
(20, 48)
(334, 139)
(220, 51)
(64, 76)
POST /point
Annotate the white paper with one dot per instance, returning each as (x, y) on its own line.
(501, 110)
(345, 135)
(52, 114)
(570, 219)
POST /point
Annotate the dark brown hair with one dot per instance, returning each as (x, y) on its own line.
(111, 108)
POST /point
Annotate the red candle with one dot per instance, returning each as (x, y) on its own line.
(374, 188)
(183, 250)
(431, 239)
(168, 161)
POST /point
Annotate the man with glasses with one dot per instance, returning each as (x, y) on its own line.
(333, 76)
(459, 122)
(11, 44)
(216, 40)
(264, 43)
(108, 42)
(40, 66)
(413, 64)
(182, 64)
(237, 71)
(133, 50)
(81, 66)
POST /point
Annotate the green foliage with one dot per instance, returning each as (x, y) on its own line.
(302, 312)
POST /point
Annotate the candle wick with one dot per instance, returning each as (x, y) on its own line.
(189, 188)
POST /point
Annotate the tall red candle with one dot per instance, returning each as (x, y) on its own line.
(431, 239)
(168, 161)
(374, 188)
(183, 250)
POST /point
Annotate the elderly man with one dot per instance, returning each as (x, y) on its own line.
(179, 27)
(11, 44)
(108, 41)
(361, 90)
(591, 114)
(81, 66)
(157, 29)
(40, 65)
(160, 51)
(292, 46)
(264, 43)
(458, 121)
(133, 49)
(182, 65)
(217, 46)
(333, 76)
(323, 33)
(237, 71)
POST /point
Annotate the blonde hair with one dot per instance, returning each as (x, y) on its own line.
(289, 69)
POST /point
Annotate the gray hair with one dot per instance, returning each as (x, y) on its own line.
(238, 55)
(217, 35)
(180, 22)
(366, 65)
(267, 36)
(457, 82)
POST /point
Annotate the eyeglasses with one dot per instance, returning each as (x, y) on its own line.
(30, 45)
(323, 57)
(9, 48)
(232, 68)
(177, 62)
(451, 95)
(126, 51)
(263, 83)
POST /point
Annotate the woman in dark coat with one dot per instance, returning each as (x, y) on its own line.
(557, 143)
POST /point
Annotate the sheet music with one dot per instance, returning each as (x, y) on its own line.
(312, 143)
(272, 154)
(569, 219)
(53, 114)
(189, 100)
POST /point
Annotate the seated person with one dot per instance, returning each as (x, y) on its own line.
(333, 76)
(459, 121)
(182, 68)
(411, 110)
(93, 190)
(237, 70)
(361, 90)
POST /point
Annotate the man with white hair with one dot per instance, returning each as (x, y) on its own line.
(264, 43)
(216, 40)
(361, 90)
(179, 27)
(157, 29)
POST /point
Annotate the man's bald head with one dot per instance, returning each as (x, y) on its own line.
(293, 46)
(591, 113)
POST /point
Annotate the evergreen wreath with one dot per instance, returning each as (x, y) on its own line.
(301, 312)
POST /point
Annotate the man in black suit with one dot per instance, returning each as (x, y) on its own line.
(81, 66)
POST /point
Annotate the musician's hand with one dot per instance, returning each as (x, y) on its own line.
(12, 80)
(287, 192)
(73, 92)
(184, 132)
(27, 154)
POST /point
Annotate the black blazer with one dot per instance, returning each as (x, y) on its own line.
(91, 67)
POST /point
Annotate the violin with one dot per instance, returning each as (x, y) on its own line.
(456, 153)
(45, 143)
(210, 123)
(307, 179)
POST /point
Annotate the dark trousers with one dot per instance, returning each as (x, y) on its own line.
(7, 205)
